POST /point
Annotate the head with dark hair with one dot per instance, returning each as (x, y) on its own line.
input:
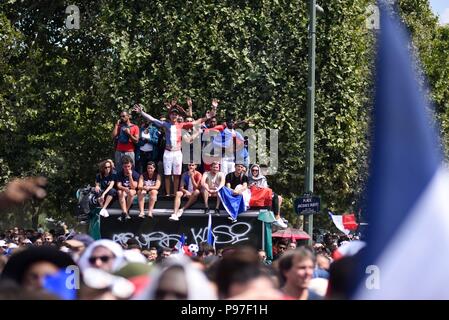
(124, 116)
(127, 159)
(230, 122)
(29, 267)
(205, 250)
(151, 169)
(296, 266)
(341, 277)
(237, 266)
(133, 244)
(106, 167)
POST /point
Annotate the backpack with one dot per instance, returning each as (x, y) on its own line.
(123, 138)
(87, 200)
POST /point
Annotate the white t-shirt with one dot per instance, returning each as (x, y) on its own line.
(147, 146)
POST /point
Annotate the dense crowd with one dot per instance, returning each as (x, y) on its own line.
(34, 264)
(64, 264)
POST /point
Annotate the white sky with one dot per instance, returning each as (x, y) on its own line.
(441, 8)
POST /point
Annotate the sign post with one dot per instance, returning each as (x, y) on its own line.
(307, 205)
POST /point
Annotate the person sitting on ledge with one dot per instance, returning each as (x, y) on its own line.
(149, 183)
(262, 195)
(127, 180)
(190, 188)
(104, 185)
(211, 182)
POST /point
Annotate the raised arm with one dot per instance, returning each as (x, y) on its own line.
(138, 108)
(209, 114)
(189, 103)
(115, 131)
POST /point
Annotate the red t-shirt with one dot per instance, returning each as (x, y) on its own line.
(128, 147)
(196, 177)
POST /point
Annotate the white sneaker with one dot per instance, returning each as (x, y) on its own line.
(173, 217)
(280, 224)
(232, 219)
(104, 213)
(179, 213)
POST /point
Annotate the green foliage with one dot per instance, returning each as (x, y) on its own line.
(61, 90)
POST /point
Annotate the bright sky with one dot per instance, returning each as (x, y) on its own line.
(441, 8)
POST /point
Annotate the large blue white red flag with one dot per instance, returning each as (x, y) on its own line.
(234, 204)
(408, 202)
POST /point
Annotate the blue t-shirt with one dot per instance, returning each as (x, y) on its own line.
(125, 179)
(104, 182)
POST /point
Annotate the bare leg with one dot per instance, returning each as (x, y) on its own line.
(206, 198)
(218, 201)
(278, 214)
(177, 201)
(107, 201)
(130, 198)
(175, 184)
(141, 200)
(192, 199)
(152, 201)
(121, 200)
(167, 185)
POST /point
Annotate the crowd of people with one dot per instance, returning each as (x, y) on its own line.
(220, 172)
(34, 264)
(64, 264)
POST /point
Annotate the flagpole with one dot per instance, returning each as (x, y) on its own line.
(310, 133)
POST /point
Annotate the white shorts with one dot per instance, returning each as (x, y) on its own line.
(172, 162)
(227, 165)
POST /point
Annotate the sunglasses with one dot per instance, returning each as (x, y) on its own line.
(255, 170)
(104, 259)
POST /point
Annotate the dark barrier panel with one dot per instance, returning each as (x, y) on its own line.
(159, 231)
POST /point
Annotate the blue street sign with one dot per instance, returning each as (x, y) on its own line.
(307, 205)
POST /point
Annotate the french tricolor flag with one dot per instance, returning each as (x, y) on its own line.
(408, 191)
(345, 223)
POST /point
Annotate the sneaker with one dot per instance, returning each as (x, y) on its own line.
(281, 224)
(127, 217)
(179, 213)
(217, 212)
(232, 219)
(141, 215)
(206, 210)
(285, 220)
(104, 213)
(173, 217)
